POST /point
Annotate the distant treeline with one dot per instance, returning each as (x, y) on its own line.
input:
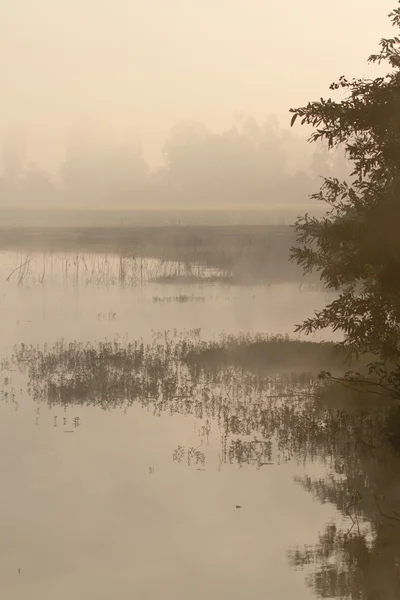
(249, 165)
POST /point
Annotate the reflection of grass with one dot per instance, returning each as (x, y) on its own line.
(166, 376)
(353, 396)
(182, 298)
(107, 270)
(260, 419)
(268, 352)
(247, 254)
(192, 278)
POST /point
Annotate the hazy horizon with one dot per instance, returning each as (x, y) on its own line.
(137, 69)
(200, 310)
(184, 104)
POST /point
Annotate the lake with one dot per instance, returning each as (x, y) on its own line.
(130, 470)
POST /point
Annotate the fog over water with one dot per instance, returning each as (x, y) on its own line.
(109, 491)
(165, 430)
(137, 458)
(170, 104)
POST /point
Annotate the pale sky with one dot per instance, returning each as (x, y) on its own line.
(145, 65)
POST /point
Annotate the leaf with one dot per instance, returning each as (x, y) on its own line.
(293, 119)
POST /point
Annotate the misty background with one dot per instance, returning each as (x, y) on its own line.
(249, 165)
(178, 104)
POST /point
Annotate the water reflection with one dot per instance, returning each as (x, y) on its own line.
(261, 420)
(164, 377)
(102, 270)
(240, 254)
(363, 559)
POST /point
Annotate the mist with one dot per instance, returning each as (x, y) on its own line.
(249, 165)
(154, 104)
(200, 310)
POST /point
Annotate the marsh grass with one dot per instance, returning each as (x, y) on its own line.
(253, 412)
(271, 352)
(242, 417)
(102, 270)
(240, 254)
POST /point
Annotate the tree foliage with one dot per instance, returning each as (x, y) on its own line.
(355, 246)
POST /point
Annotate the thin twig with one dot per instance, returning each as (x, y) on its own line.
(397, 519)
(20, 267)
(366, 381)
(370, 446)
(355, 522)
(345, 384)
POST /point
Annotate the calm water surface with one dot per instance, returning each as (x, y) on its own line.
(168, 484)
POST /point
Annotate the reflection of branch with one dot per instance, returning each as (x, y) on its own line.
(346, 382)
(355, 522)
(220, 462)
(16, 269)
(350, 530)
(369, 446)
(197, 447)
(397, 519)
(288, 396)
